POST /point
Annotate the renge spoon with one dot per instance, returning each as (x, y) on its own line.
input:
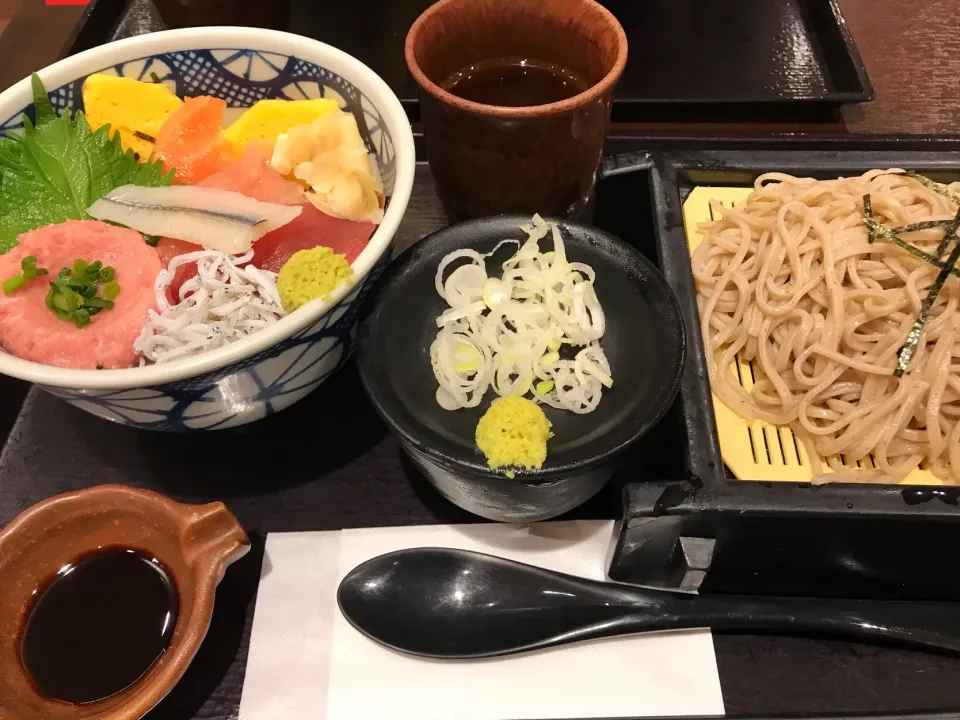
(445, 603)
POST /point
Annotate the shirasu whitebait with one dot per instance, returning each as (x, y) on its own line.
(223, 303)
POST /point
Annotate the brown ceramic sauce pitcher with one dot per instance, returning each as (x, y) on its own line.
(194, 543)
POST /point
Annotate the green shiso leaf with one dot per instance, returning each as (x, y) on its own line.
(60, 167)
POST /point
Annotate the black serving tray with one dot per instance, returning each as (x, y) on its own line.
(328, 463)
(728, 58)
(708, 531)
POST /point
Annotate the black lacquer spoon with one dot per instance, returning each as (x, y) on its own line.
(444, 603)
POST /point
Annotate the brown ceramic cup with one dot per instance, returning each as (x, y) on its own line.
(195, 543)
(490, 159)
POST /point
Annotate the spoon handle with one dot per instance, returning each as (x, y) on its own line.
(921, 624)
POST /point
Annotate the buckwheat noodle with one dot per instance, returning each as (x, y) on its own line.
(789, 281)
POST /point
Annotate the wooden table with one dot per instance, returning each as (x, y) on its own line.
(911, 51)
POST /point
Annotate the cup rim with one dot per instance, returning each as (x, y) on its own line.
(589, 95)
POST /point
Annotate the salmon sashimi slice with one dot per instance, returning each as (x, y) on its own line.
(252, 175)
(191, 141)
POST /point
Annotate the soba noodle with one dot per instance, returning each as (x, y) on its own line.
(789, 281)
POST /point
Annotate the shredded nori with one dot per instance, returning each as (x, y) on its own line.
(144, 136)
(154, 77)
(938, 188)
(877, 230)
(867, 217)
(910, 346)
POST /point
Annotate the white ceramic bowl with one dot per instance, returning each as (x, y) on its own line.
(275, 367)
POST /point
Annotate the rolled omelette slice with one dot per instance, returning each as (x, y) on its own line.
(135, 110)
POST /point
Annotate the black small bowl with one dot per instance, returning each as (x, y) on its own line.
(644, 342)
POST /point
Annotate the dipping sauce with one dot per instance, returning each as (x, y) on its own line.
(102, 622)
(514, 82)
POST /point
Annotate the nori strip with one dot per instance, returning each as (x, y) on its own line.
(876, 230)
(949, 232)
(144, 136)
(923, 225)
(910, 346)
(938, 188)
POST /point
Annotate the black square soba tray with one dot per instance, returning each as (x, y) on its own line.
(709, 531)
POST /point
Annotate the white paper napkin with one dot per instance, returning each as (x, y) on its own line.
(307, 663)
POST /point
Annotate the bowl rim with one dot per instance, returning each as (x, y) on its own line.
(420, 442)
(259, 40)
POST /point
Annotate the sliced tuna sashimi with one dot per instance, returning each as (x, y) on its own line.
(191, 140)
(30, 331)
(311, 228)
(167, 250)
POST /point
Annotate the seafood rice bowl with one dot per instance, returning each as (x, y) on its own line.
(219, 204)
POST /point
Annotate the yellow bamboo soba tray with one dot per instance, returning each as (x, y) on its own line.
(754, 449)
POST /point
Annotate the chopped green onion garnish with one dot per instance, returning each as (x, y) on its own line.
(68, 300)
(73, 295)
(30, 271)
(81, 318)
(545, 386)
(151, 240)
(13, 284)
(99, 303)
(111, 290)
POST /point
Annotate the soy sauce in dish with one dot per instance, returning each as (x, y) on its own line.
(101, 623)
(514, 82)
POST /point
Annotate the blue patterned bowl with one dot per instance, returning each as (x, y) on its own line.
(274, 368)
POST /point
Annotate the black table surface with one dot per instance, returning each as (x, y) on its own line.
(328, 463)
